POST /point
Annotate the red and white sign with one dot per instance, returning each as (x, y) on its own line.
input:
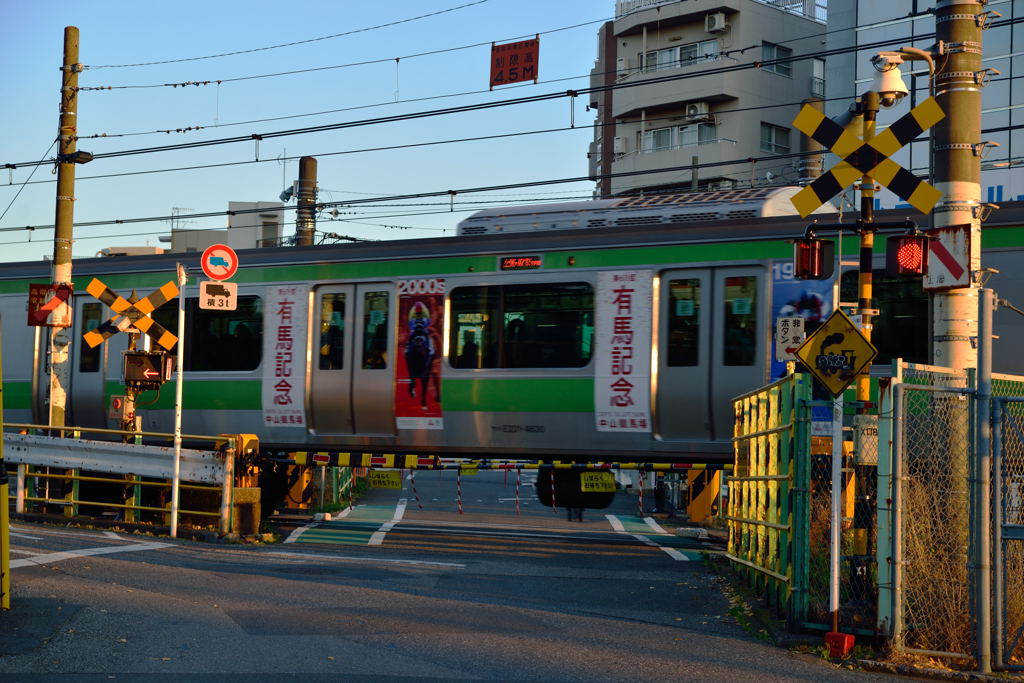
(622, 351)
(219, 262)
(514, 62)
(49, 305)
(321, 459)
(949, 262)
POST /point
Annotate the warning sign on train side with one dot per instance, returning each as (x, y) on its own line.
(836, 352)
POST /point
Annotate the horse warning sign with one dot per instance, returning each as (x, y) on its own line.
(418, 351)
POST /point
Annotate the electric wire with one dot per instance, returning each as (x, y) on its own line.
(293, 43)
(22, 187)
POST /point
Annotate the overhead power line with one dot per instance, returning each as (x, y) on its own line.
(293, 43)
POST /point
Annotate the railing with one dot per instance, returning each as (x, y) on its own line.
(810, 9)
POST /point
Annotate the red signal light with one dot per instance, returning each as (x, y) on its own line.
(906, 255)
(813, 258)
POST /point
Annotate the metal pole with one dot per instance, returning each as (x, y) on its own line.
(837, 499)
(997, 522)
(179, 385)
(60, 340)
(958, 172)
(305, 214)
(982, 512)
(897, 514)
(226, 493)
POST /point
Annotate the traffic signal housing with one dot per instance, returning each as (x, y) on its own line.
(813, 258)
(147, 369)
(906, 255)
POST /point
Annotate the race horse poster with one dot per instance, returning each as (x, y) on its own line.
(419, 350)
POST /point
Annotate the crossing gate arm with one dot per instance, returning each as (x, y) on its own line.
(116, 458)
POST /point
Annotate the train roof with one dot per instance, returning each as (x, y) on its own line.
(690, 207)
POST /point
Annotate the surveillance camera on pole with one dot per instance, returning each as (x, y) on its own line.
(888, 80)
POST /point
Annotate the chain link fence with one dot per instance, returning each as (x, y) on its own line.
(1008, 488)
(932, 452)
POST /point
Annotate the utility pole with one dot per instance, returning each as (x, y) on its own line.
(60, 340)
(958, 86)
(305, 214)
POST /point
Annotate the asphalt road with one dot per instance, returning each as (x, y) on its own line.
(392, 590)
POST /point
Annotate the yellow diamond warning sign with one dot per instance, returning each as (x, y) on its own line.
(836, 353)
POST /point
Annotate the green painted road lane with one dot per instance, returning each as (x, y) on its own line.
(677, 547)
(356, 528)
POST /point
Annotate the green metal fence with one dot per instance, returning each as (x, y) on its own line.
(767, 500)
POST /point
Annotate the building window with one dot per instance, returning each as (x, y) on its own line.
(676, 137)
(774, 139)
(682, 55)
(772, 54)
(818, 77)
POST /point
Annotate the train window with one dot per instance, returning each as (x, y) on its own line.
(219, 340)
(375, 330)
(740, 320)
(898, 331)
(522, 326)
(332, 331)
(684, 322)
(89, 359)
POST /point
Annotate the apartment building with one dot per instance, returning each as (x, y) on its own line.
(696, 91)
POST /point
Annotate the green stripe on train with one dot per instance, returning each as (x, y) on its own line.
(519, 395)
(488, 395)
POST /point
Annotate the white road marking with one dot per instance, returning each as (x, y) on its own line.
(378, 536)
(23, 552)
(312, 525)
(85, 552)
(376, 560)
(33, 538)
(671, 552)
(111, 534)
(654, 525)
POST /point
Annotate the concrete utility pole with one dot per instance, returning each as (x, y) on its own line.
(305, 214)
(60, 340)
(958, 86)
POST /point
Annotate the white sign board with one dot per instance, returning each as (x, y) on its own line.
(218, 296)
(622, 351)
(284, 356)
(789, 335)
(949, 258)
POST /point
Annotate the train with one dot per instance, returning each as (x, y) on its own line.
(534, 333)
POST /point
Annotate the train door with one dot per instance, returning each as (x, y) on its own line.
(684, 394)
(331, 394)
(88, 367)
(737, 341)
(352, 376)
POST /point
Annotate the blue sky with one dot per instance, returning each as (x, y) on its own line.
(121, 33)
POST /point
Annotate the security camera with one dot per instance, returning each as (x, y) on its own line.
(287, 194)
(888, 81)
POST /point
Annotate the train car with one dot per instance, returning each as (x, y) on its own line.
(598, 344)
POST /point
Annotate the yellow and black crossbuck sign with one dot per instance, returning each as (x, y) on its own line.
(134, 313)
(867, 157)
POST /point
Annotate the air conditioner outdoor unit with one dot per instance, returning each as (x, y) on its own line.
(715, 23)
(619, 145)
(622, 67)
(697, 111)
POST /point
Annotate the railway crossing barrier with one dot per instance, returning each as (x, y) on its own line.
(142, 473)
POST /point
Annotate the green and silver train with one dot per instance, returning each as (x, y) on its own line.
(544, 341)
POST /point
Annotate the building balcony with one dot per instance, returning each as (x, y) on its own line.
(710, 87)
(678, 159)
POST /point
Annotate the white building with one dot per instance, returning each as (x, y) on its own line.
(682, 87)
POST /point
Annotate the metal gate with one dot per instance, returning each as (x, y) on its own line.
(1008, 522)
(933, 448)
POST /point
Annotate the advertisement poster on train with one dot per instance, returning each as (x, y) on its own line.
(810, 300)
(419, 348)
(622, 351)
(284, 354)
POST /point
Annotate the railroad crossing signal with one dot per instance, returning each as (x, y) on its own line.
(836, 352)
(147, 369)
(134, 313)
(867, 157)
